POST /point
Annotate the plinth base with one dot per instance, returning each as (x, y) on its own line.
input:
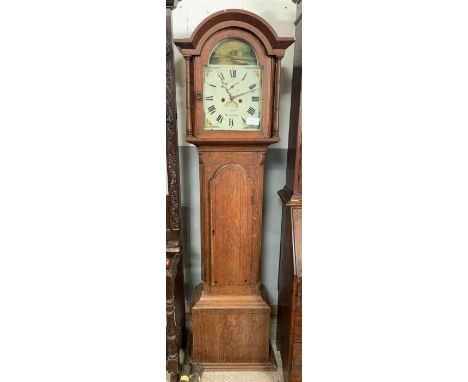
(267, 366)
(232, 333)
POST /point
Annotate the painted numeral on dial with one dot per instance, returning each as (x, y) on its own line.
(251, 111)
(209, 98)
(212, 109)
(231, 122)
(221, 76)
(253, 86)
(255, 99)
(244, 119)
(233, 73)
(219, 118)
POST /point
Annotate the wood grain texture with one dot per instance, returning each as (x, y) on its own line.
(231, 187)
(230, 191)
(238, 328)
(230, 314)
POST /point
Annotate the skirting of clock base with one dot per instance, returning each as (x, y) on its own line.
(231, 332)
(267, 366)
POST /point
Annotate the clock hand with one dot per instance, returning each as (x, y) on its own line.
(224, 85)
(230, 87)
(250, 91)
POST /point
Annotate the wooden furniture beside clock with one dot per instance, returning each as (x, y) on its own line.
(233, 61)
(174, 308)
(175, 296)
(289, 327)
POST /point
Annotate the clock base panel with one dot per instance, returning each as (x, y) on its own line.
(231, 332)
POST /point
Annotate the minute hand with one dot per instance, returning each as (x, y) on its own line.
(238, 95)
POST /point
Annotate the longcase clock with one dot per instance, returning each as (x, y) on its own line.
(233, 61)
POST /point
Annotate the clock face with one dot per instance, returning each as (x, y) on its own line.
(232, 88)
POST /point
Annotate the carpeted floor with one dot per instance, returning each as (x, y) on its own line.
(248, 376)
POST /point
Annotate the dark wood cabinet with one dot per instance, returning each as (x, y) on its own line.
(289, 328)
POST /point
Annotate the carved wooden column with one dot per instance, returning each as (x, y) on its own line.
(289, 329)
(172, 151)
(175, 296)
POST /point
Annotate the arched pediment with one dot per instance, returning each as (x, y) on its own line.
(274, 45)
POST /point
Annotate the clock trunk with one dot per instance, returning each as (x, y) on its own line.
(231, 318)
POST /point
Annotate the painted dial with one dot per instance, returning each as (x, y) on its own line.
(232, 97)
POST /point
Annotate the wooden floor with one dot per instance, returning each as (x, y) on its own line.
(248, 376)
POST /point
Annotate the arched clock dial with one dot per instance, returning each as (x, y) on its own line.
(232, 94)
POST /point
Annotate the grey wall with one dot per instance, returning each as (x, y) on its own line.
(275, 176)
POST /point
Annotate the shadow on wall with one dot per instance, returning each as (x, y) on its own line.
(275, 178)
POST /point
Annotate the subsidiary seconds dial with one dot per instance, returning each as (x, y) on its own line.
(232, 97)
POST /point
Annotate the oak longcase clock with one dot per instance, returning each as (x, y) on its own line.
(233, 62)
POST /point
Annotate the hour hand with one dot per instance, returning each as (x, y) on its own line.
(223, 85)
(237, 83)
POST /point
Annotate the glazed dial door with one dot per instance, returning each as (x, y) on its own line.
(232, 88)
